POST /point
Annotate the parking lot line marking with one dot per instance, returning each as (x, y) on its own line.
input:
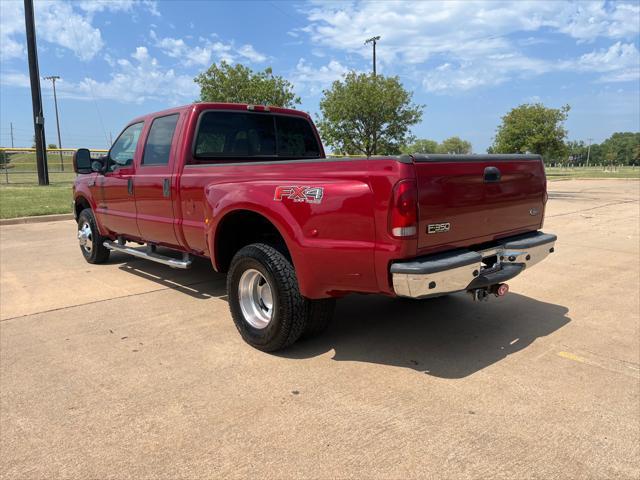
(573, 357)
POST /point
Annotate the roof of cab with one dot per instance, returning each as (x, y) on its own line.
(200, 106)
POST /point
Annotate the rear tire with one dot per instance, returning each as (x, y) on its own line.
(265, 301)
(319, 316)
(91, 242)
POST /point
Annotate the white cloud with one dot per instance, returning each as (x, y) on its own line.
(460, 45)
(93, 6)
(313, 80)
(12, 36)
(133, 80)
(137, 81)
(60, 24)
(590, 20)
(248, 52)
(202, 55)
(66, 24)
(14, 79)
(620, 63)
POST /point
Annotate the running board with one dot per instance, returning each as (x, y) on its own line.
(150, 254)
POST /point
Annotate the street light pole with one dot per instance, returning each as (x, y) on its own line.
(374, 41)
(589, 150)
(53, 79)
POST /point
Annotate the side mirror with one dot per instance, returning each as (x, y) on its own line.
(82, 161)
(97, 166)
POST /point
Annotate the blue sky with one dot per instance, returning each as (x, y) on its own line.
(468, 62)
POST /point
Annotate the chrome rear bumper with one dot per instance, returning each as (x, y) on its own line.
(461, 270)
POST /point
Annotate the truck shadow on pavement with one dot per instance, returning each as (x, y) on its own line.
(447, 337)
(200, 281)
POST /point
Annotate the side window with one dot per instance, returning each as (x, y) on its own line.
(158, 146)
(296, 138)
(124, 148)
(231, 135)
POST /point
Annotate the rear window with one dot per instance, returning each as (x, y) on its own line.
(158, 147)
(231, 135)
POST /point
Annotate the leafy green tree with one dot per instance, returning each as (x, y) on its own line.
(421, 145)
(454, 145)
(622, 148)
(52, 145)
(367, 114)
(533, 128)
(576, 153)
(239, 84)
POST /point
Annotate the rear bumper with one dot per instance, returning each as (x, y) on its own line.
(461, 270)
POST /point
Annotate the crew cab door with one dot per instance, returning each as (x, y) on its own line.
(116, 209)
(154, 183)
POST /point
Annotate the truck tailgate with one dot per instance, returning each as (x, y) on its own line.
(470, 199)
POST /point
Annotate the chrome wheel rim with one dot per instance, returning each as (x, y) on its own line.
(256, 299)
(85, 237)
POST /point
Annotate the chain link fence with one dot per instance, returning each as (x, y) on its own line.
(18, 165)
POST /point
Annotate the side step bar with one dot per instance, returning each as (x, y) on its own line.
(150, 254)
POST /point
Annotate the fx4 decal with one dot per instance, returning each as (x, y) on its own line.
(299, 194)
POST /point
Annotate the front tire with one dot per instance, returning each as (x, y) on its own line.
(91, 242)
(265, 301)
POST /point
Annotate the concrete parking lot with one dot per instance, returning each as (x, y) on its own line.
(132, 369)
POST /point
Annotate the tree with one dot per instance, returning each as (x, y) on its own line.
(367, 114)
(52, 145)
(422, 145)
(577, 153)
(622, 148)
(454, 145)
(240, 84)
(533, 128)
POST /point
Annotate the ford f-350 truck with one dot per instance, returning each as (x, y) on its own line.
(250, 188)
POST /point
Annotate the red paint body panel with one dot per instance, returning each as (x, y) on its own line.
(341, 244)
(455, 192)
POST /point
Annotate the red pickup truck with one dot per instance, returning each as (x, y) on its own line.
(250, 188)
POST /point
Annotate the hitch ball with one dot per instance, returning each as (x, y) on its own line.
(501, 290)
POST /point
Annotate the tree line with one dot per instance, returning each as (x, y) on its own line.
(369, 114)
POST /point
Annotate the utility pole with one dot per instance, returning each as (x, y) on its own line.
(374, 41)
(53, 79)
(36, 95)
(11, 124)
(589, 150)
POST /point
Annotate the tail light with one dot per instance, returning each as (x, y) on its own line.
(403, 214)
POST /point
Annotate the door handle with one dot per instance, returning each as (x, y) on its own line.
(130, 186)
(166, 190)
(492, 174)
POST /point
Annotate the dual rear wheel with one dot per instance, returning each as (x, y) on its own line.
(266, 305)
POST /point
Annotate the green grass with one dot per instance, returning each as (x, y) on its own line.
(23, 198)
(28, 200)
(22, 169)
(559, 173)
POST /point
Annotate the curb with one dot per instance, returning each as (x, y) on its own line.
(37, 219)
